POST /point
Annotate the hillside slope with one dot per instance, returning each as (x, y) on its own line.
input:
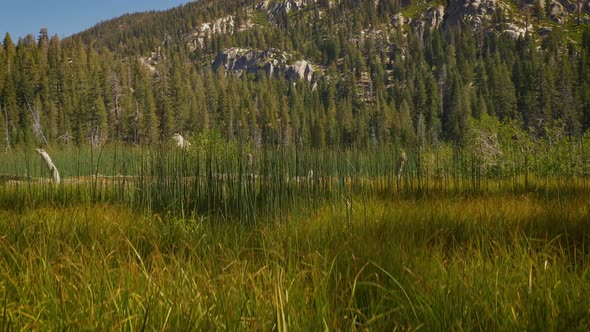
(207, 19)
(306, 72)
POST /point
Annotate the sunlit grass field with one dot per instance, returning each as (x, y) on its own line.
(158, 239)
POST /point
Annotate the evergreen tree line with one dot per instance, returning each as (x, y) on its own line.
(418, 90)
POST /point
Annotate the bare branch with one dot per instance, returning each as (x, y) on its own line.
(37, 128)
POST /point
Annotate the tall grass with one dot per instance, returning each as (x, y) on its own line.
(214, 178)
(160, 238)
(473, 263)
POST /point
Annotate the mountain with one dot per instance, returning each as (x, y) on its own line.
(223, 32)
(310, 72)
(197, 21)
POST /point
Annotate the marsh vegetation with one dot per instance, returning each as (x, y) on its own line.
(225, 236)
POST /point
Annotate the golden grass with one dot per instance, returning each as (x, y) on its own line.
(460, 262)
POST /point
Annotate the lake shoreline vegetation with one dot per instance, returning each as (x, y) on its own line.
(425, 181)
(164, 237)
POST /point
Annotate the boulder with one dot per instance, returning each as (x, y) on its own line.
(557, 11)
(397, 20)
(514, 31)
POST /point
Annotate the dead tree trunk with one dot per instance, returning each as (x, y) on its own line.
(180, 141)
(400, 165)
(37, 128)
(54, 172)
(7, 128)
(249, 162)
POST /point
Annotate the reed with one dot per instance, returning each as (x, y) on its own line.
(220, 235)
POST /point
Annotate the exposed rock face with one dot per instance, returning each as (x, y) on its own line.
(398, 20)
(570, 6)
(557, 11)
(483, 14)
(224, 25)
(151, 61)
(516, 31)
(561, 10)
(273, 62)
(275, 9)
(431, 19)
(473, 12)
(479, 13)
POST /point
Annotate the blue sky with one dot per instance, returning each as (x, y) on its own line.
(66, 17)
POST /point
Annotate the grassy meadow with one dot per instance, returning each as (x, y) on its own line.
(163, 239)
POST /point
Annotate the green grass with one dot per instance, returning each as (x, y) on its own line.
(504, 263)
(74, 161)
(161, 239)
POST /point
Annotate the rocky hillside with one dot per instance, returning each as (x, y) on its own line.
(514, 18)
(272, 62)
(511, 18)
(210, 26)
(308, 72)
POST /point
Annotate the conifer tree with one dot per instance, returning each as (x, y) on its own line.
(407, 132)
(163, 99)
